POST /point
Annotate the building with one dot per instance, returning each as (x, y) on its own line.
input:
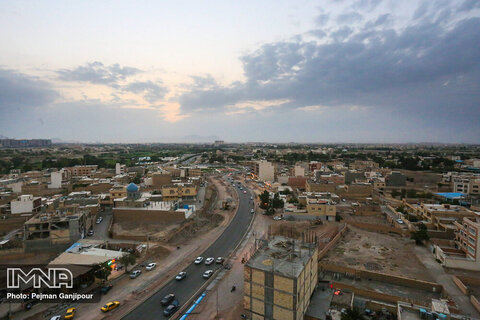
(396, 179)
(354, 176)
(117, 192)
(82, 171)
(297, 171)
(279, 279)
(466, 251)
(25, 143)
(180, 191)
(58, 178)
(26, 203)
(56, 231)
(264, 171)
(329, 178)
(321, 210)
(120, 169)
(297, 182)
(467, 186)
(161, 179)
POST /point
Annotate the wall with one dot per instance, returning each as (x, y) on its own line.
(332, 243)
(377, 228)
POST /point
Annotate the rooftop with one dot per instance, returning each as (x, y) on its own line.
(282, 256)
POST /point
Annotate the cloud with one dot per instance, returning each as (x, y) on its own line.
(349, 18)
(98, 73)
(19, 92)
(372, 67)
(152, 91)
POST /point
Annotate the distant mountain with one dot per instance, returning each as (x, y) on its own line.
(3, 137)
(197, 138)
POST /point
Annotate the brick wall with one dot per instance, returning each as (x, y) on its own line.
(334, 241)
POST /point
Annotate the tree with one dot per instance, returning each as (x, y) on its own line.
(352, 314)
(264, 199)
(338, 217)
(420, 235)
(270, 211)
(127, 260)
(277, 202)
(102, 271)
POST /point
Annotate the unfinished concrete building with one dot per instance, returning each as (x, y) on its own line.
(55, 231)
(280, 278)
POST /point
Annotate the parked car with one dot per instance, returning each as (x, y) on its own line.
(99, 220)
(151, 266)
(70, 314)
(110, 306)
(135, 273)
(252, 211)
(105, 288)
(167, 299)
(181, 276)
(207, 274)
(400, 221)
(171, 308)
(90, 232)
(209, 261)
(198, 260)
(56, 318)
(219, 260)
(277, 218)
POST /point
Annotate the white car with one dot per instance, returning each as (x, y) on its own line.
(400, 221)
(56, 318)
(181, 276)
(209, 261)
(277, 218)
(207, 274)
(151, 266)
(198, 260)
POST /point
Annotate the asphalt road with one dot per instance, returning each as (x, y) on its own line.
(184, 289)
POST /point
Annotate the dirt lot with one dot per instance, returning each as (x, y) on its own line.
(372, 251)
(379, 220)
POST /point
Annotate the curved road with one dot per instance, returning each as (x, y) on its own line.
(183, 290)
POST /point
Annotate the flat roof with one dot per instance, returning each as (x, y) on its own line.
(451, 195)
(282, 256)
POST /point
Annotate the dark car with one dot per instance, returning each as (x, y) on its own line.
(171, 308)
(167, 299)
(105, 288)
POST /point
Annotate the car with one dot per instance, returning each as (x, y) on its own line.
(99, 220)
(209, 261)
(90, 232)
(171, 308)
(277, 218)
(198, 260)
(400, 221)
(252, 211)
(219, 260)
(207, 274)
(167, 299)
(135, 273)
(244, 191)
(150, 266)
(181, 276)
(251, 198)
(104, 289)
(70, 313)
(56, 318)
(110, 306)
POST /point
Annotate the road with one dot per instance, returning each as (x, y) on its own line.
(183, 290)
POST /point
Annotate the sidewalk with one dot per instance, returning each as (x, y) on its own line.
(438, 273)
(230, 304)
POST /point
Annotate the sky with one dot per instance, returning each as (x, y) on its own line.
(367, 71)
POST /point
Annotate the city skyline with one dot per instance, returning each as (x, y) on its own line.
(362, 71)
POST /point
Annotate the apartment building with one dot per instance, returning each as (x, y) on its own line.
(396, 179)
(330, 178)
(279, 279)
(467, 186)
(466, 251)
(82, 171)
(120, 169)
(181, 191)
(321, 209)
(264, 170)
(26, 203)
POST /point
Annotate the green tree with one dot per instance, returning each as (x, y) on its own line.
(338, 217)
(102, 271)
(264, 199)
(277, 202)
(420, 235)
(127, 260)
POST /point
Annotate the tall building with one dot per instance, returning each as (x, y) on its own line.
(279, 279)
(120, 168)
(264, 170)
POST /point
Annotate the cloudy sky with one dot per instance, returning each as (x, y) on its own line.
(273, 70)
